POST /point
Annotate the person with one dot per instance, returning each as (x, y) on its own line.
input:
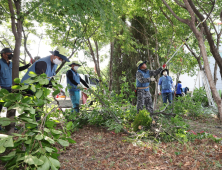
(166, 83)
(6, 70)
(45, 65)
(73, 82)
(179, 90)
(143, 78)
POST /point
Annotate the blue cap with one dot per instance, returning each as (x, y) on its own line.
(56, 53)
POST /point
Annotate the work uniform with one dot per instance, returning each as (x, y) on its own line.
(43, 65)
(166, 84)
(6, 75)
(143, 93)
(73, 79)
(179, 90)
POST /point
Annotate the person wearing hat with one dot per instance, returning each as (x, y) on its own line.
(166, 84)
(46, 65)
(143, 78)
(73, 82)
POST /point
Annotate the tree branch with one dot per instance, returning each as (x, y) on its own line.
(25, 43)
(185, 21)
(12, 18)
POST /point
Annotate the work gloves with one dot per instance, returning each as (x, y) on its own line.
(152, 79)
(164, 66)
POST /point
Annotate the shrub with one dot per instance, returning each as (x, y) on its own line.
(142, 119)
(199, 95)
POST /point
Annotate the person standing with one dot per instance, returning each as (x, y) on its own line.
(179, 90)
(166, 84)
(73, 82)
(143, 78)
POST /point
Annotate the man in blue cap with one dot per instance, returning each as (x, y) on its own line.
(73, 82)
(143, 78)
(46, 65)
(166, 84)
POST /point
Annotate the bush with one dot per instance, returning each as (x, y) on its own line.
(142, 119)
(199, 95)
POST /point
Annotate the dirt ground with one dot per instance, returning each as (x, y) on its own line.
(97, 148)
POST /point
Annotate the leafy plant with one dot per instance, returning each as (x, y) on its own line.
(142, 119)
(34, 146)
(199, 95)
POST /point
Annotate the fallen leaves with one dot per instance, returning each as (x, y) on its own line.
(97, 148)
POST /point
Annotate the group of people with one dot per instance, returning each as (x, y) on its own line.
(47, 65)
(165, 86)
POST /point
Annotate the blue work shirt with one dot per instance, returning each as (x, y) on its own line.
(179, 86)
(169, 80)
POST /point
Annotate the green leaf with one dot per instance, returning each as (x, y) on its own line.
(56, 131)
(4, 121)
(7, 104)
(32, 74)
(46, 130)
(9, 142)
(46, 91)
(38, 94)
(63, 142)
(46, 164)
(29, 120)
(51, 141)
(71, 140)
(9, 156)
(30, 126)
(54, 162)
(33, 88)
(29, 81)
(69, 125)
(24, 87)
(16, 87)
(2, 149)
(28, 142)
(32, 160)
(39, 137)
(49, 149)
(26, 99)
(17, 80)
(56, 92)
(40, 102)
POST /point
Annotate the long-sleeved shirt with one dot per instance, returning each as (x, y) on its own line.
(70, 77)
(141, 79)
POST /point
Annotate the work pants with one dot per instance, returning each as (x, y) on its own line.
(167, 96)
(144, 98)
(75, 98)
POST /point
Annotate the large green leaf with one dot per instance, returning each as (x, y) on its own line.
(29, 81)
(16, 87)
(4, 121)
(69, 125)
(29, 120)
(46, 130)
(24, 87)
(71, 140)
(56, 92)
(32, 160)
(2, 149)
(9, 142)
(40, 102)
(17, 80)
(8, 157)
(56, 131)
(51, 141)
(39, 137)
(32, 74)
(54, 163)
(33, 88)
(39, 93)
(49, 149)
(46, 164)
(63, 142)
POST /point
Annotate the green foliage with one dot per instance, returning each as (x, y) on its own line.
(199, 95)
(173, 129)
(33, 147)
(142, 119)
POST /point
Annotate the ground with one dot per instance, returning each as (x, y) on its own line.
(98, 148)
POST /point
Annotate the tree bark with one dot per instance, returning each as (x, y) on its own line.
(215, 73)
(111, 65)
